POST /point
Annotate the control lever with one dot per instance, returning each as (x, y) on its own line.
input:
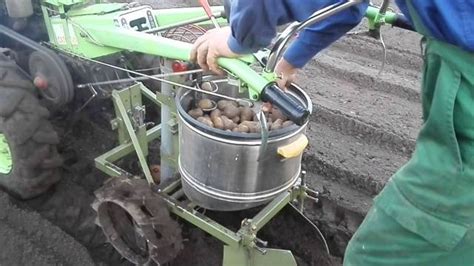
(378, 17)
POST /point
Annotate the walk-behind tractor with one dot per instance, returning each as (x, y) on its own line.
(219, 149)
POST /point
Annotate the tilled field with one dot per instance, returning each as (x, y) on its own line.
(363, 129)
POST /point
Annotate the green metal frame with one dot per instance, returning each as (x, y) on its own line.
(241, 247)
(376, 19)
(132, 137)
(90, 32)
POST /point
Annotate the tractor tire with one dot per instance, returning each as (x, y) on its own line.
(29, 160)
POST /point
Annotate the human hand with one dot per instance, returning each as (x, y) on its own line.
(209, 47)
(286, 73)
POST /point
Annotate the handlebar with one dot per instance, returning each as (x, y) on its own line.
(295, 27)
(378, 17)
(272, 93)
(290, 107)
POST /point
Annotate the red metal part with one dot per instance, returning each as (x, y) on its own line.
(179, 66)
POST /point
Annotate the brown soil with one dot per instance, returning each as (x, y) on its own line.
(26, 238)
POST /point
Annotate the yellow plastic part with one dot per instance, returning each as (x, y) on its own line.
(295, 148)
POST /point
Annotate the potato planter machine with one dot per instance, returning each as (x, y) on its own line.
(202, 167)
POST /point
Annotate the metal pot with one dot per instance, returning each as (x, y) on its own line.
(220, 170)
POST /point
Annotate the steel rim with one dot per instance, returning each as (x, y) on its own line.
(6, 162)
(119, 222)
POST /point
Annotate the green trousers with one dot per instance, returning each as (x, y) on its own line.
(425, 214)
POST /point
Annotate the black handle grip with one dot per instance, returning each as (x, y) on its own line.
(403, 23)
(290, 107)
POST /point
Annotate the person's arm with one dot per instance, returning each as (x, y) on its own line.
(320, 35)
(254, 24)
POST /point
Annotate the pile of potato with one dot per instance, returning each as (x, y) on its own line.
(228, 116)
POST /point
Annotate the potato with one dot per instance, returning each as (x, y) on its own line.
(206, 120)
(195, 113)
(287, 124)
(254, 127)
(207, 86)
(218, 123)
(236, 119)
(247, 123)
(205, 104)
(228, 123)
(246, 114)
(223, 103)
(277, 124)
(241, 128)
(231, 111)
(277, 114)
(215, 113)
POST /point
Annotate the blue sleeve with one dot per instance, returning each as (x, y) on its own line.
(450, 21)
(320, 35)
(254, 24)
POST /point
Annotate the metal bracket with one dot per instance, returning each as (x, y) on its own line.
(208, 225)
(241, 247)
(173, 124)
(244, 257)
(131, 127)
(105, 162)
(302, 192)
(168, 101)
(137, 114)
(138, 137)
